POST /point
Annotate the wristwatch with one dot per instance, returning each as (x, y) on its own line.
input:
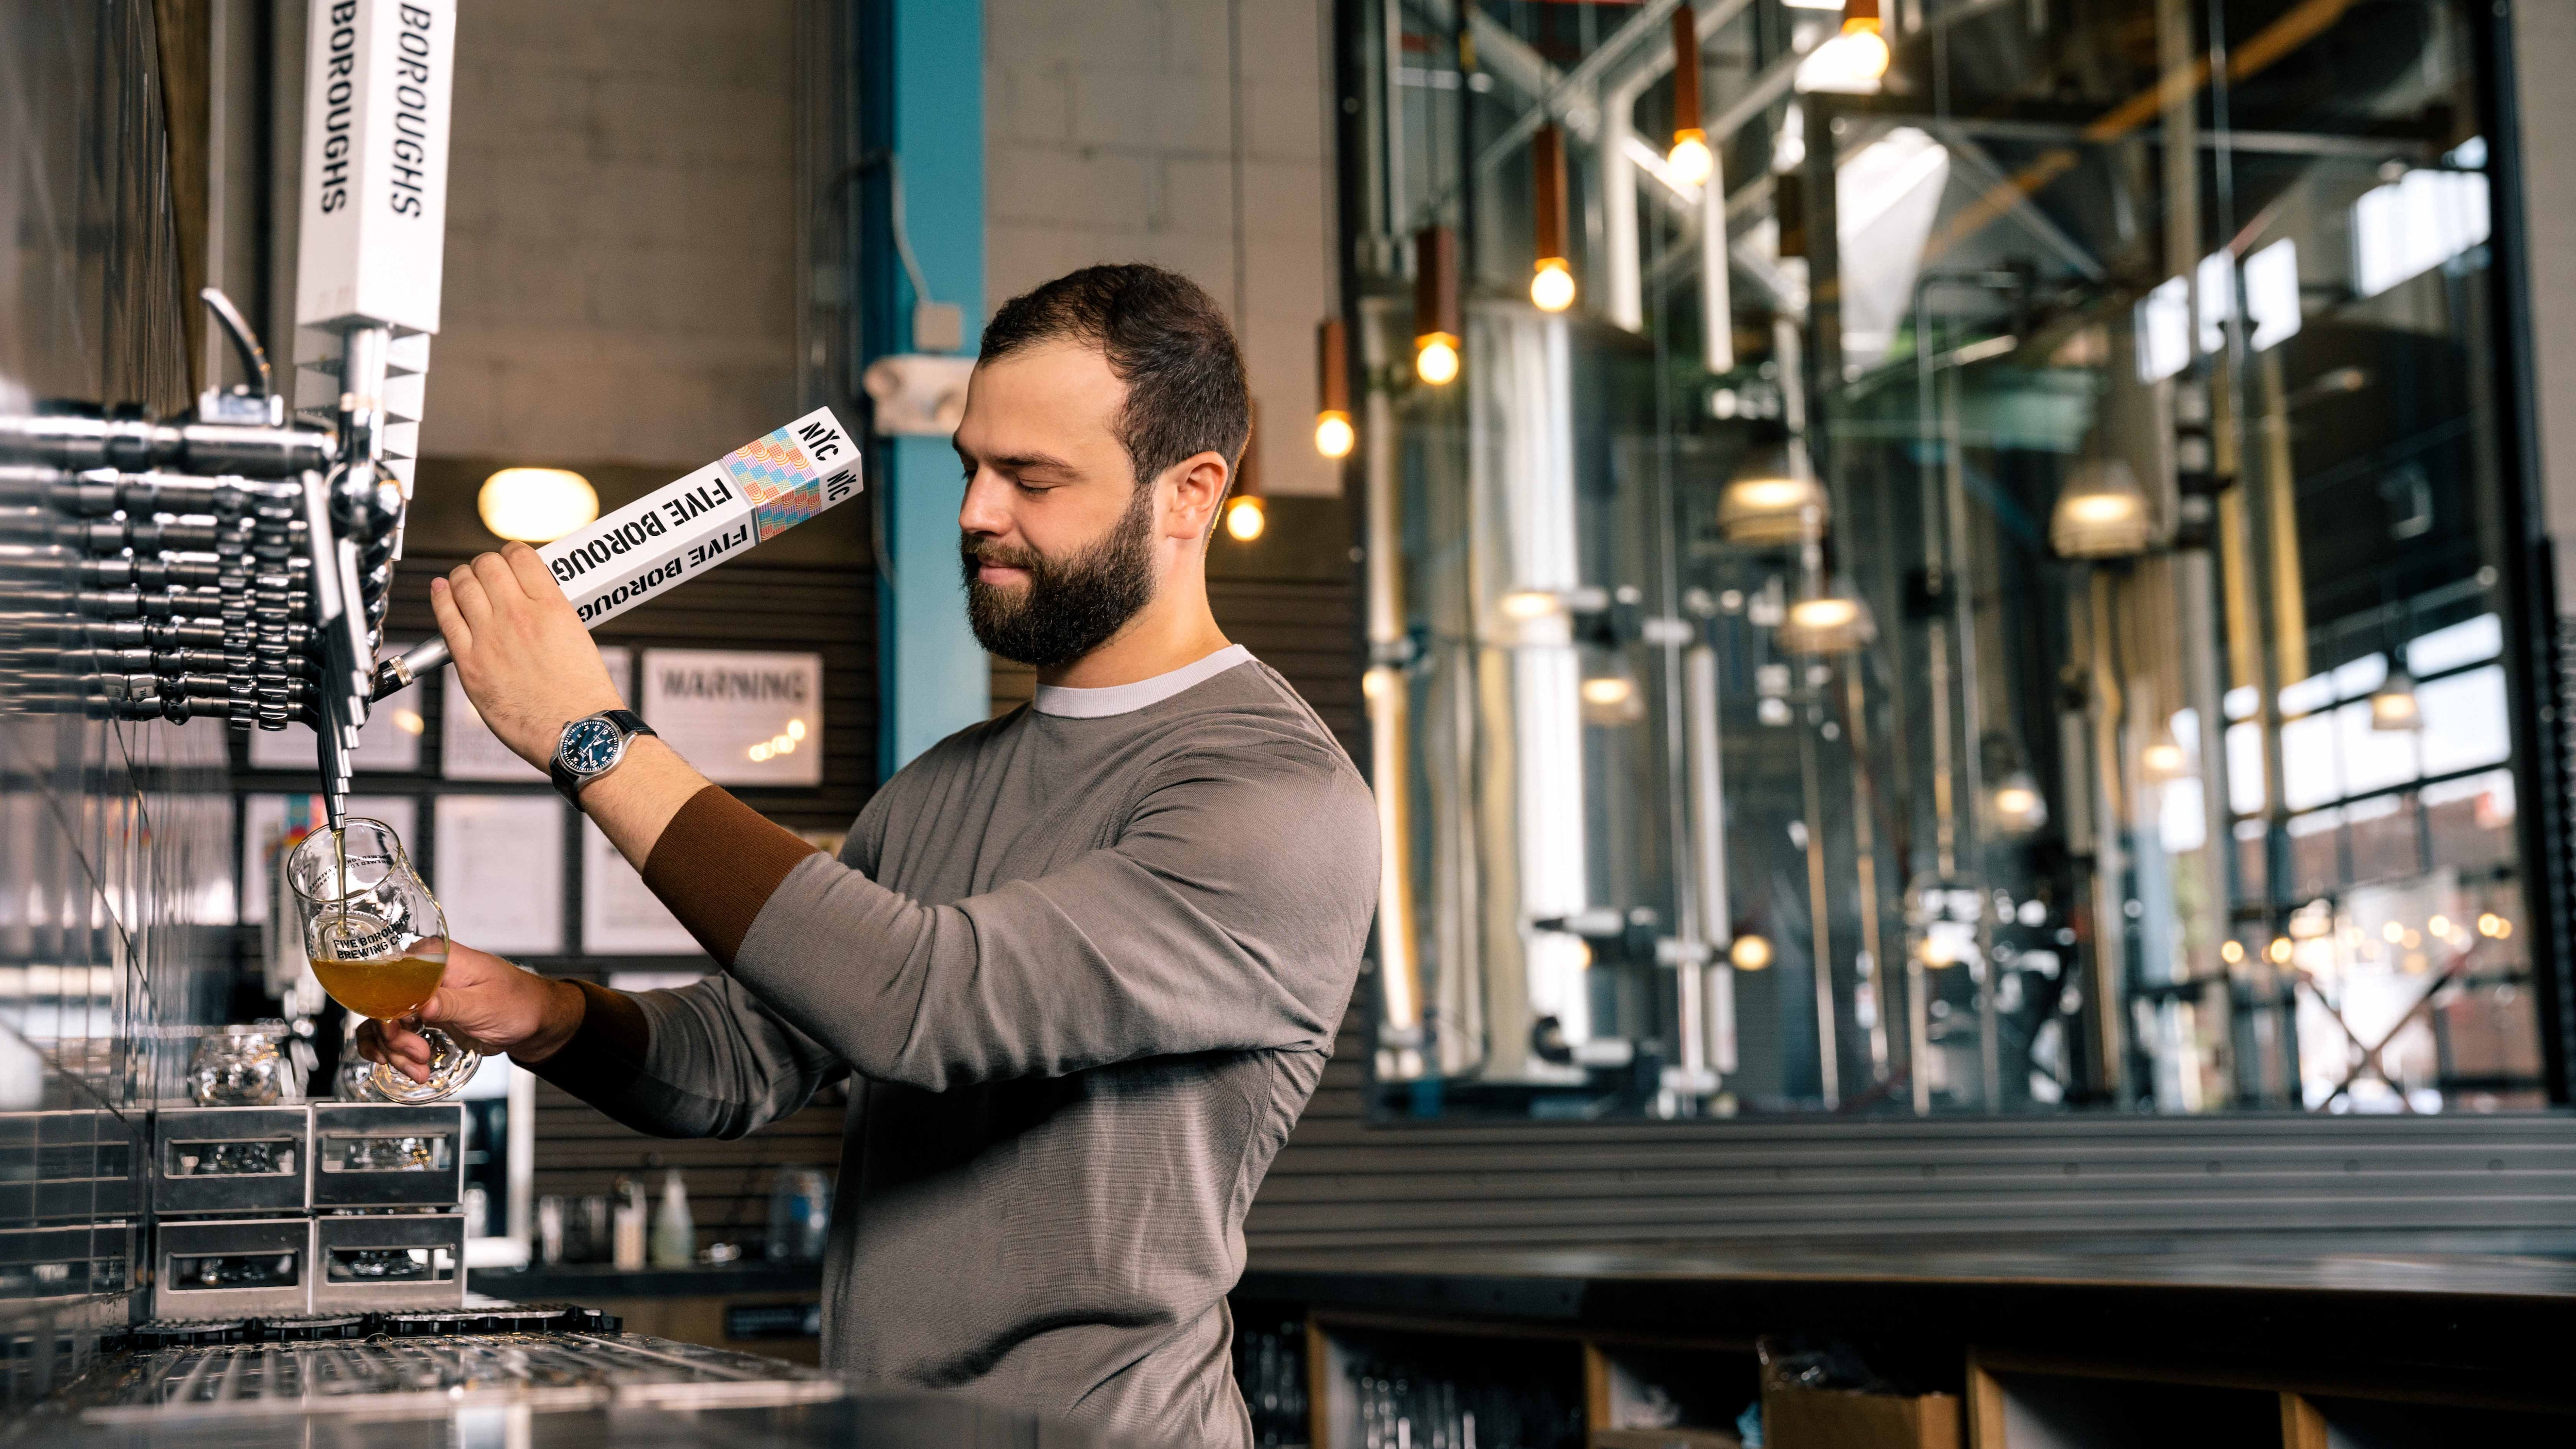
(590, 747)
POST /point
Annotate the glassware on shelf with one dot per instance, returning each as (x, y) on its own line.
(242, 1066)
(378, 943)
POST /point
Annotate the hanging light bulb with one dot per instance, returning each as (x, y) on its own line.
(2101, 512)
(1552, 276)
(1436, 324)
(1772, 501)
(1334, 435)
(1689, 162)
(1245, 519)
(1832, 621)
(2163, 758)
(1749, 952)
(1852, 62)
(1246, 515)
(2393, 706)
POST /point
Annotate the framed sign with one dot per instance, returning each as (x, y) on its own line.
(741, 718)
(619, 917)
(467, 748)
(500, 874)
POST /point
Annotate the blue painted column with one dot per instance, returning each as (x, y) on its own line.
(923, 101)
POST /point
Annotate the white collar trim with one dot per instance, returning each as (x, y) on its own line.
(1056, 699)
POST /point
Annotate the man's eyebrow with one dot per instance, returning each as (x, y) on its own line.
(1027, 462)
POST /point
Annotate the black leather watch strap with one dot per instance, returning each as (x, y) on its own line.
(566, 783)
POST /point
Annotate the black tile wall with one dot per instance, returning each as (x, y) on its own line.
(115, 839)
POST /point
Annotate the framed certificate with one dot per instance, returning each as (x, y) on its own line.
(500, 872)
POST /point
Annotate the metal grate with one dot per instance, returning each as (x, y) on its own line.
(393, 1377)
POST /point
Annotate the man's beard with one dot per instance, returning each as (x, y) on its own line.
(1069, 607)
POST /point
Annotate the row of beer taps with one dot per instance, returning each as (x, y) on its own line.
(236, 564)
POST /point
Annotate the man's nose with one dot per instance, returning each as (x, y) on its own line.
(986, 507)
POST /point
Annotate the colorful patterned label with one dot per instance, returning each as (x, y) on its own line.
(783, 487)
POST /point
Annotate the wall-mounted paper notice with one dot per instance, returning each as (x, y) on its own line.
(467, 748)
(741, 718)
(500, 872)
(268, 820)
(619, 917)
(389, 741)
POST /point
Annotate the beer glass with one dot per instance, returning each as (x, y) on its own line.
(378, 943)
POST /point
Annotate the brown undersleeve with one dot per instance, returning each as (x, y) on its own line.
(716, 865)
(606, 1052)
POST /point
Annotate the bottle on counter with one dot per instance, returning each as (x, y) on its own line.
(627, 1229)
(675, 1237)
(550, 1230)
(800, 1215)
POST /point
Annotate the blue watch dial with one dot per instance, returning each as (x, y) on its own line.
(589, 746)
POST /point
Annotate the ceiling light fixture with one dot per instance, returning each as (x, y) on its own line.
(2101, 512)
(1552, 276)
(536, 505)
(2019, 808)
(1334, 435)
(1436, 323)
(1772, 501)
(1852, 62)
(1689, 162)
(1833, 621)
(2164, 757)
(2393, 706)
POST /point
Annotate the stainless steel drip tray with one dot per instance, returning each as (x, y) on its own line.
(386, 1377)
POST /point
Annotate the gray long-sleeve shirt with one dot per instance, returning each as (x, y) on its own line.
(1083, 973)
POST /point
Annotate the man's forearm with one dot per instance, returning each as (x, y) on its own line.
(634, 802)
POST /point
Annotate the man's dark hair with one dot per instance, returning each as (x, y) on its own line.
(1164, 336)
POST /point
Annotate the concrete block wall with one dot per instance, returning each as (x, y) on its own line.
(1111, 135)
(621, 240)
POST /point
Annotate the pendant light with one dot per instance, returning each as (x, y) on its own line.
(1552, 277)
(1853, 62)
(1773, 500)
(1436, 324)
(2164, 758)
(2393, 706)
(1832, 620)
(536, 505)
(1334, 435)
(2016, 803)
(1246, 515)
(2101, 513)
(1689, 162)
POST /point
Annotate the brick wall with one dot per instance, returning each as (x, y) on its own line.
(621, 240)
(1110, 135)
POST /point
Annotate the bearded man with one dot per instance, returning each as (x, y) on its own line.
(1081, 964)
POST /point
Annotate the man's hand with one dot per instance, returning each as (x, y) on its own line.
(486, 1004)
(521, 652)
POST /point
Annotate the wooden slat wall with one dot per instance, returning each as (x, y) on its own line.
(2500, 1182)
(580, 1151)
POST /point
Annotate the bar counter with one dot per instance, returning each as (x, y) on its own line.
(2355, 1341)
(888, 1422)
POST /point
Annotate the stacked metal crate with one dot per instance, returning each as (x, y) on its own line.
(323, 1208)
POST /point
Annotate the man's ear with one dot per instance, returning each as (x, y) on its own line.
(1198, 488)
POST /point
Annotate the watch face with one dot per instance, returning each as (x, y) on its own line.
(589, 746)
